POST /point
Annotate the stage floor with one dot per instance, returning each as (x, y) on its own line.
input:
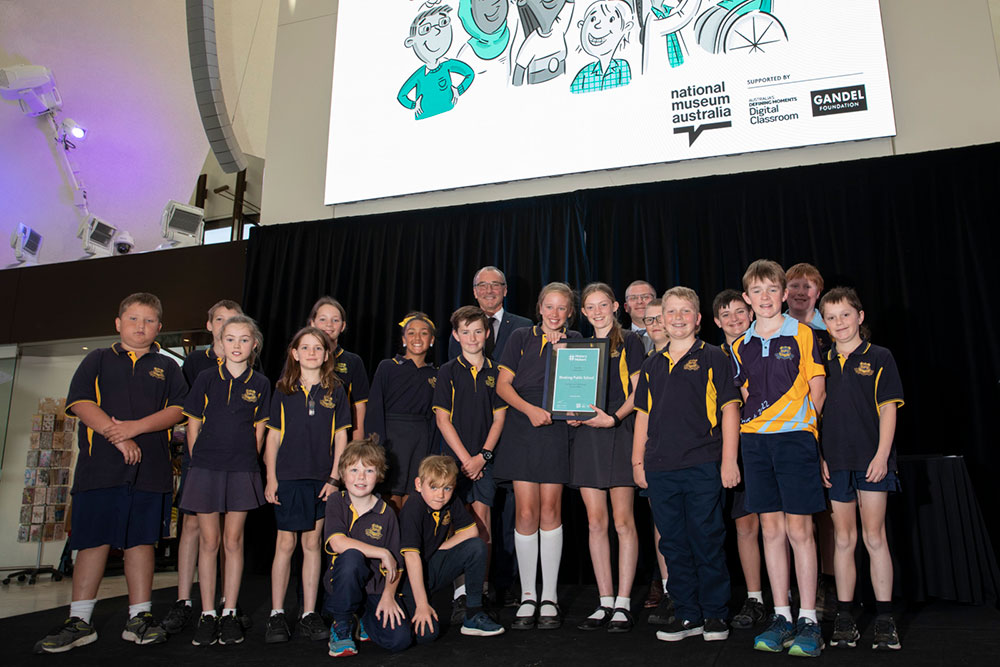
(933, 633)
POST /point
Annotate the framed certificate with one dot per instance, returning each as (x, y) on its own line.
(576, 378)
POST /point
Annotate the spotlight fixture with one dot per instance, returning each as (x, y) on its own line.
(98, 237)
(70, 130)
(32, 86)
(26, 243)
(182, 225)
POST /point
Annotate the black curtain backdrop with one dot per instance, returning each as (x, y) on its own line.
(914, 234)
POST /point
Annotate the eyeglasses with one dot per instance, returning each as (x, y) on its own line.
(494, 284)
(640, 297)
(425, 28)
(650, 321)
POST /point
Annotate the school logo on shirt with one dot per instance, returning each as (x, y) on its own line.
(616, 354)
(374, 531)
(691, 365)
(784, 352)
(327, 402)
(432, 381)
(446, 519)
(340, 367)
(491, 381)
(158, 373)
(864, 368)
(250, 396)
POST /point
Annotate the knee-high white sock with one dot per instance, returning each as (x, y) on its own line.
(550, 546)
(526, 549)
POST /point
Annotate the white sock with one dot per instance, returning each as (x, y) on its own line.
(809, 614)
(526, 549)
(622, 603)
(210, 612)
(275, 612)
(187, 603)
(229, 611)
(784, 611)
(756, 595)
(550, 547)
(82, 609)
(459, 591)
(136, 609)
(664, 586)
(606, 601)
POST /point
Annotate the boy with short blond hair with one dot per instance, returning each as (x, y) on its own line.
(362, 538)
(778, 368)
(439, 541)
(126, 396)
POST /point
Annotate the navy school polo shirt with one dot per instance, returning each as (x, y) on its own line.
(399, 389)
(469, 397)
(526, 357)
(126, 387)
(351, 370)
(198, 361)
(306, 450)
(424, 530)
(230, 409)
(378, 527)
(857, 386)
(684, 400)
(624, 363)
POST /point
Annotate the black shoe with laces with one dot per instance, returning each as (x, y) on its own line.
(749, 615)
(663, 614)
(312, 627)
(244, 618)
(72, 633)
(207, 632)
(177, 618)
(458, 610)
(845, 631)
(886, 637)
(230, 630)
(276, 629)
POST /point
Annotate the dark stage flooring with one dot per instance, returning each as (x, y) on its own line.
(935, 633)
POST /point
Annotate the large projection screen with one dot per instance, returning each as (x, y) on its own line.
(433, 95)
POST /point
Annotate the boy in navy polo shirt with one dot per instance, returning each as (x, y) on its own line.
(439, 541)
(470, 418)
(362, 537)
(859, 421)
(187, 548)
(127, 397)
(684, 452)
(778, 369)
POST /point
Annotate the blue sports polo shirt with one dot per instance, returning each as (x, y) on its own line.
(307, 422)
(126, 387)
(469, 398)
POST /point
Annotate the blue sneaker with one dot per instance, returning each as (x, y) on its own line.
(778, 635)
(341, 642)
(808, 640)
(481, 625)
(362, 635)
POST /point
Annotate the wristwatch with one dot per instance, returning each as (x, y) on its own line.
(487, 455)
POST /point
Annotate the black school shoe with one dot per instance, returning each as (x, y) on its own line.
(749, 615)
(549, 622)
(526, 622)
(312, 627)
(663, 614)
(591, 623)
(621, 626)
(458, 610)
(276, 629)
(177, 618)
(207, 632)
(230, 630)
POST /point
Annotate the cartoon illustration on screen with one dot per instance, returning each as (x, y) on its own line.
(491, 37)
(740, 26)
(604, 28)
(542, 55)
(433, 84)
(662, 42)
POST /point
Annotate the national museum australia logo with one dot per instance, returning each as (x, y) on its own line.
(699, 108)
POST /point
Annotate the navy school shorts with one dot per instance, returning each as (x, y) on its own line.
(120, 517)
(847, 483)
(782, 473)
(300, 506)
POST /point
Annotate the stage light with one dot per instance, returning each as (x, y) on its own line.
(70, 129)
(26, 243)
(182, 225)
(98, 237)
(32, 86)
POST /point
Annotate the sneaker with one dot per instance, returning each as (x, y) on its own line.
(276, 629)
(341, 642)
(749, 615)
(845, 631)
(481, 625)
(777, 637)
(655, 594)
(715, 630)
(362, 634)
(177, 618)
(244, 618)
(312, 627)
(142, 629)
(207, 632)
(677, 630)
(230, 630)
(885, 635)
(664, 612)
(458, 610)
(808, 640)
(72, 633)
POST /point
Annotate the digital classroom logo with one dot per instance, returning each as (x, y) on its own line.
(839, 100)
(700, 103)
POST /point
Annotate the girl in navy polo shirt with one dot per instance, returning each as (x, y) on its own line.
(227, 410)
(307, 431)
(534, 454)
(399, 408)
(600, 463)
(330, 317)
(863, 393)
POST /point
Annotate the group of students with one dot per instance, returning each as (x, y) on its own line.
(399, 522)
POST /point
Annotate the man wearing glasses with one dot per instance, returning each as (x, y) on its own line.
(489, 286)
(637, 297)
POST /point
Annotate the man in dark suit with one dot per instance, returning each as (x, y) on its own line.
(489, 286)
